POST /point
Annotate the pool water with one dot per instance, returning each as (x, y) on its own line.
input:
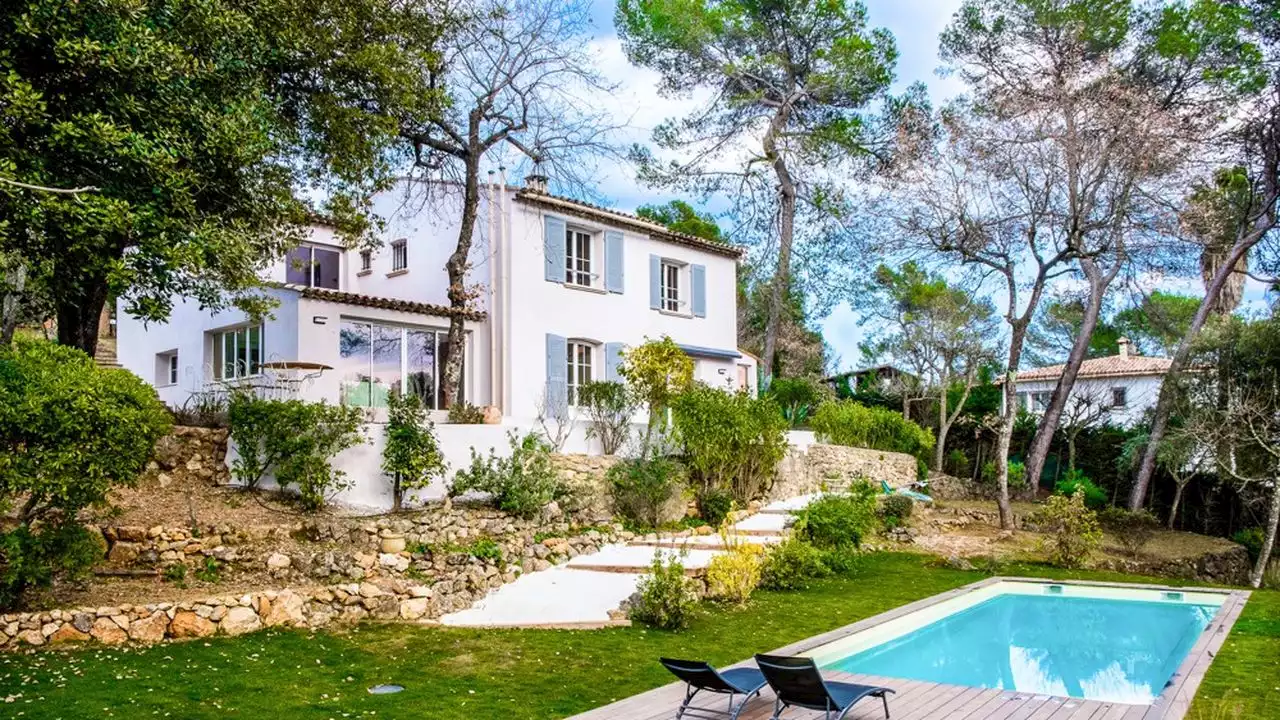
(1110, 650)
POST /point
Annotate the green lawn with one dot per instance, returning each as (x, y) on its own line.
(520, 674)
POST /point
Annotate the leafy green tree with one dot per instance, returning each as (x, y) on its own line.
(797, 81)
(945, 334)
(1158, 322)
(1057, 327)
(657, 371)
(412, 456)
(680, 216)
(194, 130)
(70, 431)
(799, 351)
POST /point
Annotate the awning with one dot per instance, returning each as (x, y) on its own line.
(711, 353)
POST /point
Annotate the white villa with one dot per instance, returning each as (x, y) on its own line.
(1124, 384)
(563, 287)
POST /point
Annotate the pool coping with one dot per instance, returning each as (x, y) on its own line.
(1171, 704)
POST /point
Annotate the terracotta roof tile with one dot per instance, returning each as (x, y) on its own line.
(655, 230)
(409, 306)
(1110, 366)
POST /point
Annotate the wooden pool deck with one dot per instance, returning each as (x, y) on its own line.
(915, 700)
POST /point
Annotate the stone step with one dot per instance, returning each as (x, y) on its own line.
(790, 505)
(637, 559)
(706, 542)
(764, 525)
(559, 597)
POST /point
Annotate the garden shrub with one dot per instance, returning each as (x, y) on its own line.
(664, 598)
(463, 413)
(729, 441)
(486, 549)
(1094, 496)
(610, 407)
(957, 463)
(797, 397)
(1070, 527)
(1017, 474)
(521, 484)
(734, 574)
(844, 561)
(1252, 539)
(1133, 529)
(294, 440)
(790, 565)
(411, 456)
(839, 520)
(70, 432)
(714, 505)
(643, 490)
(845, 422)
(896, 510)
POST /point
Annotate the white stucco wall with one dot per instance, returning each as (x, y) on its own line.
(1141, 393)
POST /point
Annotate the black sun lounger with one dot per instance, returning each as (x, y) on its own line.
(797, 682)
(699, 676)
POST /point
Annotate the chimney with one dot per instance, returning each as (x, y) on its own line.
(535, 183)
(1124, 347)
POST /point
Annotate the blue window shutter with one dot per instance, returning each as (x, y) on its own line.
(612, 360)
(698, 274)
(553, 248)
(613, 275)
(557, 374)
(655, 282)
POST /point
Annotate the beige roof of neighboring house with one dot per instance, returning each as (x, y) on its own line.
(1104, 367)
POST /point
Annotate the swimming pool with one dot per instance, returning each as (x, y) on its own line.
(1102, 643)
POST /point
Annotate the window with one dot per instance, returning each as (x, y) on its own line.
(167, 368)
(1022, 401)
(1040, 401)
(671, 286)
(377, 360)
(312, 267)
(744, 378)
(579, 360)
(399, 256)
(366, 260)
(237, 353)
(577, 258)
(1119, 397)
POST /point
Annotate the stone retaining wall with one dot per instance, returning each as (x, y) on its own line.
(835, 466)
(191, 454)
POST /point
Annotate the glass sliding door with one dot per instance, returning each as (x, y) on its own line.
(377, 360)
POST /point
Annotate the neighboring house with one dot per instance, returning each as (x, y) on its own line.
(881, 378)
(1124, 385)
(562, 288)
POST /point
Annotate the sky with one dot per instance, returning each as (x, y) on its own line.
(915, 24)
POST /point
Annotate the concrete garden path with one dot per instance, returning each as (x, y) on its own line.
(587, 590)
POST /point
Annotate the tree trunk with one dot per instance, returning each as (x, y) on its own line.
(1164, 402)
(1177, 500)
(780, 285)
(80, 311)
(456, 267)
(939, 446)
(1263, 224)
(16, 279)
(1269, 540)
(1040, 444)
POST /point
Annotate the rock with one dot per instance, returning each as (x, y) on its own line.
(106, 631)
(420, 591)
(286, 609)
(240, 620)
(123, 553)
(49, 628)
(369, 590)
(956, 562)
(67, 633)
(278, 561)
(414, 608)
(187, 624)
(150, 629)
(131, 533)
(82, 622)
(31, 637)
